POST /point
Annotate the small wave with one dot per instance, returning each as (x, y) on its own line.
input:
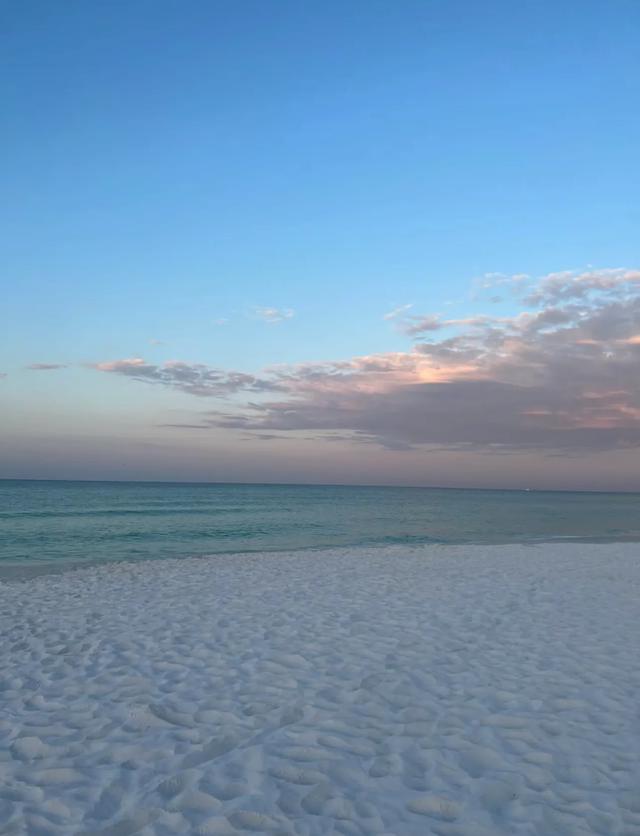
(117, 512)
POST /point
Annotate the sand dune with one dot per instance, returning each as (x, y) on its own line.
(461, 691)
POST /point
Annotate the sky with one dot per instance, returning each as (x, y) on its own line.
(341, 242)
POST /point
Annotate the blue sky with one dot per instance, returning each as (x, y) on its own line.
(168, 166)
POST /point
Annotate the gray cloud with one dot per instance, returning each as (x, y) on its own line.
(563, 377)
(560, 287)
(193, 378)
(45, 367)
(420, 324)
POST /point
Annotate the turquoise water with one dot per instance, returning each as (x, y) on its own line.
(57, 523)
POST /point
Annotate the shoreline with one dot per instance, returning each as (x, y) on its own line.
(406, 690)
(29, 569)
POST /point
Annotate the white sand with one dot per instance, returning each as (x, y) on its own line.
(476, 691)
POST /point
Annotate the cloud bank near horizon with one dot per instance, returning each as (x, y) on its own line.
(559, 377)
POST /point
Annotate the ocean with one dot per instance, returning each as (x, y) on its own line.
(51, 524)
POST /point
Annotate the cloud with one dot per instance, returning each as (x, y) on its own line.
(561, 376)
(564, 285)
(45, 367)
(396, 312)
(156, 342)
(193, 378)
(618, 282)
(421, 324)
(3, 375)
(273, 315)
(187, 426)
(489, 280)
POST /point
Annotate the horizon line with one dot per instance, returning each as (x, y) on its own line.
(317, 485)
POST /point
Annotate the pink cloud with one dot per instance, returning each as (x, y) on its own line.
(562, 377)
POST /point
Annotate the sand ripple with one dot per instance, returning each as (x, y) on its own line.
(458, 691)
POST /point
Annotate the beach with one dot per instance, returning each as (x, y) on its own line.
(402, 690)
